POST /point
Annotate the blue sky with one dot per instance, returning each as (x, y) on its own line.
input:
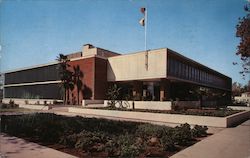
(35, 32)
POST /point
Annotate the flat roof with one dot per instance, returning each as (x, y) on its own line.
(31, 67)
(177, 54)
(195, 62)
(138, 52)
(120, 55)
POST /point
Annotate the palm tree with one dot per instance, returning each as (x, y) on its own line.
(77, 75)
(65, 76)
(69, 84)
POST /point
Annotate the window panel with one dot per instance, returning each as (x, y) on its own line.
(48, 91)
(46, 73)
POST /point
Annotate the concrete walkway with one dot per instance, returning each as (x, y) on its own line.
(229, 143)
(13, 147)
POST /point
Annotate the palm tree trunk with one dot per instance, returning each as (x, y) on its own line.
(64, 97)
(67, 96)
(78, 96)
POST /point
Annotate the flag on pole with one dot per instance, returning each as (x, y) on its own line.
(142, 21)
(143, 10)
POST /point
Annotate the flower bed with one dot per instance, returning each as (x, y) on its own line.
(199, 112)
(145, 116)
(89, 137)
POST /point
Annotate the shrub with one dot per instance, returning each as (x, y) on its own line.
(44, 126)
(113, 127)
(168, 143)
(129, 150)
(111, 147)
(16, 126)
(86, 140)
(55, 102)
(116, 138)
(8, 106)
(26, 102)
(11, 102)
(69, 140)
(199, 131)
(3, 106)
(182, 134)
(50, 131)
(149, 130)
(128, 146)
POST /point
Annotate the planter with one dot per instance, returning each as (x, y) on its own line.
(35, 107)
(30, 101)
(239, 107)
(151, 105)
(88, 101)
(168, 118)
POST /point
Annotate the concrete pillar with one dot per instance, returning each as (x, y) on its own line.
(137, 90)
(164, 90)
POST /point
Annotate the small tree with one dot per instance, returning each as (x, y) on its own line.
(77, 75)
(65, 76)
(247, 87)
(113, 95)
(199, 92)
(236, 89)
(243, 50)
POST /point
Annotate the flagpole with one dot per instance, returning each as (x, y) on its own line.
(145, 42)
(145, 30)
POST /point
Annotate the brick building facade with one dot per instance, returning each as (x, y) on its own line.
(159, 75)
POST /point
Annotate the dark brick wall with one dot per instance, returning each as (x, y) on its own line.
(86, 92)
(100, 79)
(94, 79)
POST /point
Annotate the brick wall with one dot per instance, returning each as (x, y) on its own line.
(100, 79)
(86, 92)
(94, 79)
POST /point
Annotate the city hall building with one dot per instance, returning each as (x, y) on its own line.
(153, 75)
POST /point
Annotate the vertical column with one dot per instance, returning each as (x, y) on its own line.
(3, 83)
(137, 90)
(164, 90)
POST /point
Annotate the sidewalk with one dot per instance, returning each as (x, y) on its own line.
(13, 147)
(229, 143)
